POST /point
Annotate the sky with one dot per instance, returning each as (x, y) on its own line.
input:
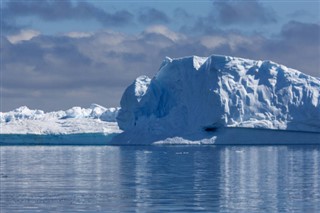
(56, 54)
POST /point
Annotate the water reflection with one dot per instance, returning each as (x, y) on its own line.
(152, 178)
(269, 179)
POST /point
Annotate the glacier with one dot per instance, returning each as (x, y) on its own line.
(220, 98)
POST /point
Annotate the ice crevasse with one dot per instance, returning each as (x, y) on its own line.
(193, 94)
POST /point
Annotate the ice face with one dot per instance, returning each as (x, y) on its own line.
(194, 93)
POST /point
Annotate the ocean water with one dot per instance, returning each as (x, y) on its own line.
(160, 179)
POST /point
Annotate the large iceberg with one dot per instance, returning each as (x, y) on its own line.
(193, 96)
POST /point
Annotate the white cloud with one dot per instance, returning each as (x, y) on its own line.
(212, 41)
(23, 35)
(232, 40)
(163, 30)
(79, 34)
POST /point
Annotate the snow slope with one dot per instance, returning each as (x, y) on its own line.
(192, 94)
(77, 120)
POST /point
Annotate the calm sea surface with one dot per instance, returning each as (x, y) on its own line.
(160, 179)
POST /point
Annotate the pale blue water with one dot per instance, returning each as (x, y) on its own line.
(160, 179)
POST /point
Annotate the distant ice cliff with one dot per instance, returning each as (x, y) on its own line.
(95, 119)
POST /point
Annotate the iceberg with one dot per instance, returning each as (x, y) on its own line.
(77, 125)
(221, 99)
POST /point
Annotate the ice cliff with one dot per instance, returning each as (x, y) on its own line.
(194, 93)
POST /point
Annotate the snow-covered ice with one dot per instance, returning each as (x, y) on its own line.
(193, 94)
(77, 120)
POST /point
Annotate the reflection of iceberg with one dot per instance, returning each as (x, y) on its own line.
(224, 179)
(183, 181)
(269, 178)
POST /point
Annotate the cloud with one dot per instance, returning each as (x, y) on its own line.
(75, 34)
(301, 32)
(299, 13)
(100, 66)
(9, 26)
(152, 16)
(23, 35)
(240, 16)
(60, 71)
(163, 30)
(180, 13)
(56, 10)
(243, 12)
